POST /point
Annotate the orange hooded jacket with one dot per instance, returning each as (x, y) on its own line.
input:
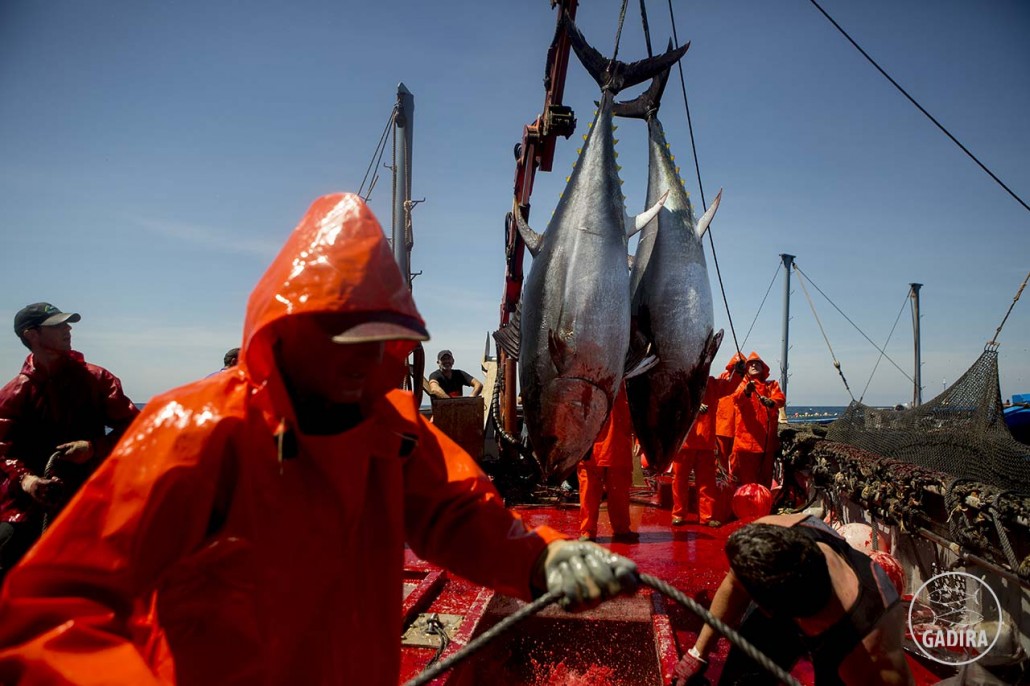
(725, 416)
(211, 548)
(614, 445)
(756, 424)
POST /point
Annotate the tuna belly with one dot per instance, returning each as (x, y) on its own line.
(572, 413)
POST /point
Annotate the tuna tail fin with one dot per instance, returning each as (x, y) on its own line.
(646, 105)
(509, 337)
(706, 218)
(613, 75)
(532, 239)
(635, 224)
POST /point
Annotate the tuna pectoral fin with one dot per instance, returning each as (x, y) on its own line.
(532, 239)
(713, 347)
(634, 224)
(558, 349)
(641, 366)
(706, 218)
(509, 337)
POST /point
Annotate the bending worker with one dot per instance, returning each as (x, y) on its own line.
(250, 527)
(802, 589)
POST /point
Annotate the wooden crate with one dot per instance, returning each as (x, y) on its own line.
(462, 420)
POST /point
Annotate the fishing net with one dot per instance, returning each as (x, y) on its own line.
(961, 432)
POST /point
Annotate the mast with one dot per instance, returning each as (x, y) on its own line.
(403, 240)
(788, 260)
(917, 391)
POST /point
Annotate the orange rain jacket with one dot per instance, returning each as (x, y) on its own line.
(262, 564)
(702, 431)
(725, 416)
(613, 447)
(755, 423)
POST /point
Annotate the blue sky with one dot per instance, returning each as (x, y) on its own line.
(154, 156)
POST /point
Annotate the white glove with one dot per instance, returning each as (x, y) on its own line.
(585, 573)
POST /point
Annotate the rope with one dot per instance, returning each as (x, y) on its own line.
(767, 291)
(920, 107)
(373, 163)
(618, 32)
(700, 184)
(734, 637)
(994, 341)
(878, 359)
(47, 473)
(815, 314)
(486, 637)
(647, 31)
(848, 319)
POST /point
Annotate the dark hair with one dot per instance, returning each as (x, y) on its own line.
(782, 569)
(232, 356)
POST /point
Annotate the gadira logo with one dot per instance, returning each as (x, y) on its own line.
(954, 618)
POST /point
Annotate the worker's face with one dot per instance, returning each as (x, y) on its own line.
(754, 368)
(446, 362)
(316, 366)
(57, 338)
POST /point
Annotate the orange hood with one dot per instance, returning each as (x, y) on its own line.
(337, 260)
(753, 357)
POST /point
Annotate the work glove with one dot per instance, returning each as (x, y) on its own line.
(585, 573)
(740, 368)
(768, 402)
(749, 389)
(689, 669)
(702, 409)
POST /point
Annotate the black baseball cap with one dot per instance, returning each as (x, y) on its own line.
(442, 354)
(41, 314)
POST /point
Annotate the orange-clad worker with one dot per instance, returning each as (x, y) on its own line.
(250, 527)
(726, 413)
(609, 465)
(698, 455)
(755, 439)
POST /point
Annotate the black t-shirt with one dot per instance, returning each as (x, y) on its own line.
(453, 385)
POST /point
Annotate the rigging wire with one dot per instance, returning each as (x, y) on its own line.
(994, 341)
(919, 107)
(816, 287)
(374, 162)
(618, 32)
(767, 291)
(836, 363)
(647, 30)
(701, 186)
(880, 358)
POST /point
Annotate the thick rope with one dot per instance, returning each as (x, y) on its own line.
(618, 32)
(647, 30)
(486, 637)
(47, 473)
(553, 596)
(734, 637)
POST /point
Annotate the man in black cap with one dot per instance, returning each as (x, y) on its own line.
(448, 382)
(54, 418)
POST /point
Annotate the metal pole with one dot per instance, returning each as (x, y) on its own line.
(401, 233)
(917, 391)
(788, 260)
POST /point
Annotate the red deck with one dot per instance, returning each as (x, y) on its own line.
(627, 641)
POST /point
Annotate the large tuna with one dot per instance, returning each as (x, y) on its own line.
(671, 299)
(574, 319)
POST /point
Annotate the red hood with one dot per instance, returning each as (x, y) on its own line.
(753, 357)
(337, 260)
